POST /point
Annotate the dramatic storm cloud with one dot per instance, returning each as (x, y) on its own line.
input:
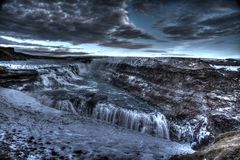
(200, 20)
(114, 27)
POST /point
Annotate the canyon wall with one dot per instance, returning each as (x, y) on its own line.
(199, 97)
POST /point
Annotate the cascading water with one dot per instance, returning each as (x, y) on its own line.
(65, 105)
(153, 123)
(63, 76)
(59, 88)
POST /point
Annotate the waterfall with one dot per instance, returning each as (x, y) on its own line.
(62, 76)
(65, 105)
(60, 88)
(151, 123)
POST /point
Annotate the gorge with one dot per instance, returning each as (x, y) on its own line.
(117, 108)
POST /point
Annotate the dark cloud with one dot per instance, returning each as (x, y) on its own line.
(146, 5)
(155, 51)
(181, 31)
(35, 45)
(125, 44)
(175, 55)
(41, 51)
(48, 50)
(150, 6)
(115, 23)
(224, 20)
(75, 21)
(2, 3)
(238, 3)
(130, 32)
(210, 28)
(195, 19)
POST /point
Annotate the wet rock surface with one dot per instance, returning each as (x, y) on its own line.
(13, 77)
(40, 132)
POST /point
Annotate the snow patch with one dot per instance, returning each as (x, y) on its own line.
(21, 100)
(227, 68)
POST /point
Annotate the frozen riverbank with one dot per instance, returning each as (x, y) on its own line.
(43, 132)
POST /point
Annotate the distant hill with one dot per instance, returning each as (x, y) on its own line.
(8, 53)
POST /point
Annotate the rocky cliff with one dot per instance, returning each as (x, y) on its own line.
(13, 77)
(10, 54)
(199, 97)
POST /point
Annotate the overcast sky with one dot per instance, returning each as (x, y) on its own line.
(189, 28)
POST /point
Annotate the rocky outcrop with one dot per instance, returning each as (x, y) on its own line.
(10, 54)
(225, 147)
(11, 77)
(199, 97)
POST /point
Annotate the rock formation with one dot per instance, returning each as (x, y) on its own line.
(13, 77)
(225, 147)
(10, 54)
(199, 97)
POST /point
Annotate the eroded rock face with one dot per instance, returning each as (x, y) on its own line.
(12, 77)
(225, 147)
(200, 98)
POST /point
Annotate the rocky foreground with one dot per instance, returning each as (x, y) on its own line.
(200, 99)
(30, 130)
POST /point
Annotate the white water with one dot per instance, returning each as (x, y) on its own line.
(65, 105)
(227, 68)
(62, 76)
(151, 123)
